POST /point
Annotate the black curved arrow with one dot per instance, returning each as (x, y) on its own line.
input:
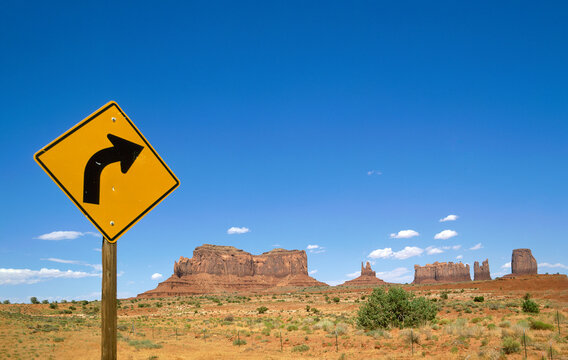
(122, 150)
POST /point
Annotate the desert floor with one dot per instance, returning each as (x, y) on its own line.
(312, 323)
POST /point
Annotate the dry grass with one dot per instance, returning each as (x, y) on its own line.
(230, 327)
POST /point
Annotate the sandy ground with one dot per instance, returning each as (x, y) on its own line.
(210, 327)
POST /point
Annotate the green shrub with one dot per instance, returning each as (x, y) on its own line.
(539, 325)
(396, 308)
(239, 342)
(530, 306)
(505, 324)
(53, 306)
(58, 339)
(336, 299)
(479, 299)
(34, 300)
(511, 346)
(6, 302)
(292, 328)
(144, 344)
(262, 309)
(300, 348)
(444, 295)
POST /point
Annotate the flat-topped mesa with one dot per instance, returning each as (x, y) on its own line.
(368, 278)
(215, 268)
(523, 262)
(441, 273)
(228, 260)
(481, 272)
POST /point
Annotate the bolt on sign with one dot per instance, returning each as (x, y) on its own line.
(109, 170)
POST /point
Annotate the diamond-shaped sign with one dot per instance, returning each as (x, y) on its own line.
(109, 170)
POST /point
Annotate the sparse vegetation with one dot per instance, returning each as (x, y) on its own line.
(300, 348)
(510, 345)
(530, 306)
(540, 325)
(295, 324)
(395, 308)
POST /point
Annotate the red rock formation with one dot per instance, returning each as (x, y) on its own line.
(368, 278)
(481, 272)
(441, 272)
(523, 262)
(216, 268)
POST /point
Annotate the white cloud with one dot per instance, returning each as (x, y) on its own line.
(445, 235)
(506, 269)
(61, 261)
(398, 275)
(449, 218)
(98, 249)
(455, 247)
(312, 272)
(495, 275)
(557, 265)
(238, 230)
(97, 267)
(335, 282)
(430, 250)
(65, 235)
(459, 257)
(404, 234)
(315, 249)
(407, 252)
(374, 172)
(27, 276)
(157, 276)
(381, 253)
(354, 274)
(476, 247)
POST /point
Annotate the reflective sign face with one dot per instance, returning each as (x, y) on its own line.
(109, 170)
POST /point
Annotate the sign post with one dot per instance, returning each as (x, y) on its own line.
(115, 177)
(108, 302)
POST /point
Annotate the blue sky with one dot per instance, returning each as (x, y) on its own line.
(322, 123)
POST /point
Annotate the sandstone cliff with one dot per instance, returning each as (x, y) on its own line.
(481, 272)
(523, 262)
(441, 272)
(216, 268)
(368, 278)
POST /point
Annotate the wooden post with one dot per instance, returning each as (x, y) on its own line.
(525, 343)
(336, 347)
(108, 302)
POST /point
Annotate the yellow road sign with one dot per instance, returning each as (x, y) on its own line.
(109, 170)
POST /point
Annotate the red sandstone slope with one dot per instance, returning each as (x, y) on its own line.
(214, 269)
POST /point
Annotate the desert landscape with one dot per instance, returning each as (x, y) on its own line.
(226, 303)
